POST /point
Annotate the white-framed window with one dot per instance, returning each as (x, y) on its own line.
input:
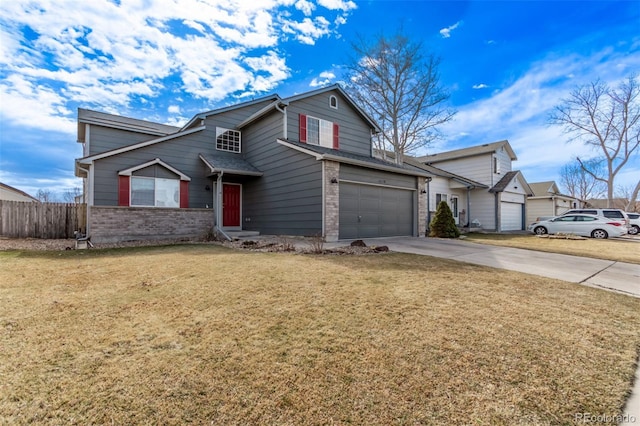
(333, 102)
(228, 139)
(318, 132)
(496, 165)
(155, 192)
(441, 197)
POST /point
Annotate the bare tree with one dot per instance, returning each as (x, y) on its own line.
(398, 85)
(45, 195)
(605, 119)
(580, 184)
(70, 195)
(629, 195)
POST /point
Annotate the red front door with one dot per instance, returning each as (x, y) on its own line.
(230, 205)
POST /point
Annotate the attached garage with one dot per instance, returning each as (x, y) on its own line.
(376, 204)
(511, 214)
(368, 211)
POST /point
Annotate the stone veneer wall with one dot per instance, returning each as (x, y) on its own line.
(422, 208)
(115, 224)
(331, 201)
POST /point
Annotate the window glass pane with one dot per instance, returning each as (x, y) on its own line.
(227, 140)
(167, 193)
(142, 191)
(313, 130)
(326, 133)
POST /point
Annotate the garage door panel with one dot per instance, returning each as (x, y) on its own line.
(368, 211)
(510, 216)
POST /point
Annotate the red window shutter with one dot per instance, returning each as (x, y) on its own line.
(336, 138)
(184, 194)
(303, 128)
(123, 190)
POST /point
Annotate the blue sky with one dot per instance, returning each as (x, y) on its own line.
(506, 64)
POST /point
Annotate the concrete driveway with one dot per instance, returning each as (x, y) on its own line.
(606, 274)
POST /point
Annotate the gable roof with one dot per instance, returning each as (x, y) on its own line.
(87, 116)
(322, 153)
(10, 193)
(543, 189)
(339, 89)
(507, 178)
(203, 115)
(469, 152)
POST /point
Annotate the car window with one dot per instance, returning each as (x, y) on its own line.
(589, 211)
(586, 218)
(633, 215)
(566, 219)
(612, 214)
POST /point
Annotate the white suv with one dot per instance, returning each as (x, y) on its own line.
(634, 223)
(608, 213)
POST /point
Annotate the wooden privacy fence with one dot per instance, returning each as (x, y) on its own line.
(41, 220)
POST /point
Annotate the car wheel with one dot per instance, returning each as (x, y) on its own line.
(634, 230)
(600, 234)
(540, 230)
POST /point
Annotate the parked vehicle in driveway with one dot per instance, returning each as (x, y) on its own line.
(586, 225)
(616, 214)
(634, 223)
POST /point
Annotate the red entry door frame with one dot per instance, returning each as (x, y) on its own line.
(231, 205)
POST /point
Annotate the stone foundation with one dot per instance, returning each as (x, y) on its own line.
(116, 224)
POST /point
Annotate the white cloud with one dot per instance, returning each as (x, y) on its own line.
(173, 109)
(523, 108)
(480, 86)
(110, 53)
(325, 78)
(446, 32)
(305, 6)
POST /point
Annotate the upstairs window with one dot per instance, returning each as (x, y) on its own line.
(496, 165)
(319, 132)
(227, 140)
(333, 102)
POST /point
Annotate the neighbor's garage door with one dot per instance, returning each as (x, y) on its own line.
(511, 216)
(368, 211)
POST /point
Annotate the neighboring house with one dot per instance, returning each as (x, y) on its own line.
(301, 165)
(480, 186)
(546, 200)
(617, 203)
(10, 193)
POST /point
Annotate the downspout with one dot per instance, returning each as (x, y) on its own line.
(284, 121)
(89, 196)
(219, 206)
(469, 188)
(428, 182)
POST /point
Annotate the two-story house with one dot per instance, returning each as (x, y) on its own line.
(301, 165)
(480, 186)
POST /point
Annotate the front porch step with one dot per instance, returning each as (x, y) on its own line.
(242, 234)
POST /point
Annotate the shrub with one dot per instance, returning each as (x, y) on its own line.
(443, 224)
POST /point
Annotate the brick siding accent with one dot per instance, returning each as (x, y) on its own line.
(331, 201)
(115, 224)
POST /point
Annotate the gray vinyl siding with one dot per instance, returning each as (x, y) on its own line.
(482, 206)
(287, 199)
(230, 119)
(106, 138)
(180, 153)
(377, 177)
(354, 132)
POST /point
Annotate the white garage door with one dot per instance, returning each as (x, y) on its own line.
(368, 211)
(511, 216)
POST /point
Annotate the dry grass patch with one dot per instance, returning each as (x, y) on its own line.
(618, 250)
(205, 334)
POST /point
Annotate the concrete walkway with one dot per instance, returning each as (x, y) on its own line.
(608, 275)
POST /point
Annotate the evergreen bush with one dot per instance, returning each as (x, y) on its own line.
(443, 224)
